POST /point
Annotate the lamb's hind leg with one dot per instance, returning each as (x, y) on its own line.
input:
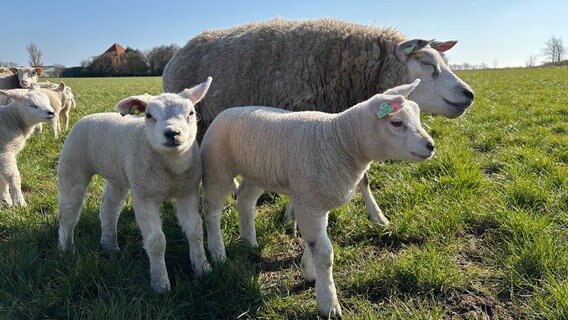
(5, 198)
(148, 218)
(11, 175)
(72, 188)
(192, 225)
(215, 191)
(374, 213)
(247, 196)
(112, 203)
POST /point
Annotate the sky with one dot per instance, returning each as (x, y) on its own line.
(501, 32)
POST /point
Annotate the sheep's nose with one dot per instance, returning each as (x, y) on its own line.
(171, 134)
(430, 146)
(468, 93)
(51, 113)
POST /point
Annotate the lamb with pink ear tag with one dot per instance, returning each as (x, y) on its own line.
(155, 156)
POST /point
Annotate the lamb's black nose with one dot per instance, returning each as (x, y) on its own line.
(171, 134)
(430, 146)
(51, 113)
(468, 93)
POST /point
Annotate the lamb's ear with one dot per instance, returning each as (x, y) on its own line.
(403, 90)
(409, 47)
(133, 105)
(61, 85)
(38, 70)
(443, 46)
(384, 106)
(13, 70)
(14, 95)
(197, 93)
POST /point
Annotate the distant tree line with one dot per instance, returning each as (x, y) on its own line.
(132, 63)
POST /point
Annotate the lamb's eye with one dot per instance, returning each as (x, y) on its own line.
(148, 116)
(33, 106)
(427, 63)
(191, 113)
(396, 123)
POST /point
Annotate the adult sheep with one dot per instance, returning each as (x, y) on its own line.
(21, 78)
(323, 65)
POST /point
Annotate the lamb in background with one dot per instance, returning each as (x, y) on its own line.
(17, 120)
(58, 100)
(316, 158)
(325, 65)
(157, 157)
(21, 78)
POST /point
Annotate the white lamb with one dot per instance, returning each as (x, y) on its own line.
(316, 158)
(17, 120)
(59, 102)
(21, 78)
(157, 157)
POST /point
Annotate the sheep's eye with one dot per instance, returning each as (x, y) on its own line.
(427, 63)
(396, 123)
(148, 116)
(33, 106)
(191, 113)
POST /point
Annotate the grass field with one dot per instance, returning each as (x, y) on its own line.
(479, 232)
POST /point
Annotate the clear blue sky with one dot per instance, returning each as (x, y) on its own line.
(506, 31)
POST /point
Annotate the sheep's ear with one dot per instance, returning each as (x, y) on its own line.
(14, 70)
(133, 105)
(403, 90)
(409, 47)
(35, 86)
(38, 70)
(197, 93)
(61, 85)
(383, 106)
(14, 95)
(443, 46)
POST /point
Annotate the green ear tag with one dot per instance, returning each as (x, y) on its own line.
(134, 111)
(384, 110)
(408, 50)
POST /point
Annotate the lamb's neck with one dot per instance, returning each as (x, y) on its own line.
(25, 128)
(344, 130)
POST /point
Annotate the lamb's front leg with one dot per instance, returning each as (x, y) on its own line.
(192, 225)
(10, 174)
(312, 227)
(148, 218)
(374, 213)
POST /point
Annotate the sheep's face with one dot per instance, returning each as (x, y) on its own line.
(33, 105)
(171, 123)
(27, 76)
(440, 91)
(171, 120)
(396, 132)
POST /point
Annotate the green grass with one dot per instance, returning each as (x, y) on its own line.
(480, 231)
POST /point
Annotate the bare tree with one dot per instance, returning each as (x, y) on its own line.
(531, 61)
(554, 50)
(34, 55)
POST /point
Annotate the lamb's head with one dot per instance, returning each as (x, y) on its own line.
(27, 76)
(394, 130)
(171, 120)
(440, 91)
(33, 105)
